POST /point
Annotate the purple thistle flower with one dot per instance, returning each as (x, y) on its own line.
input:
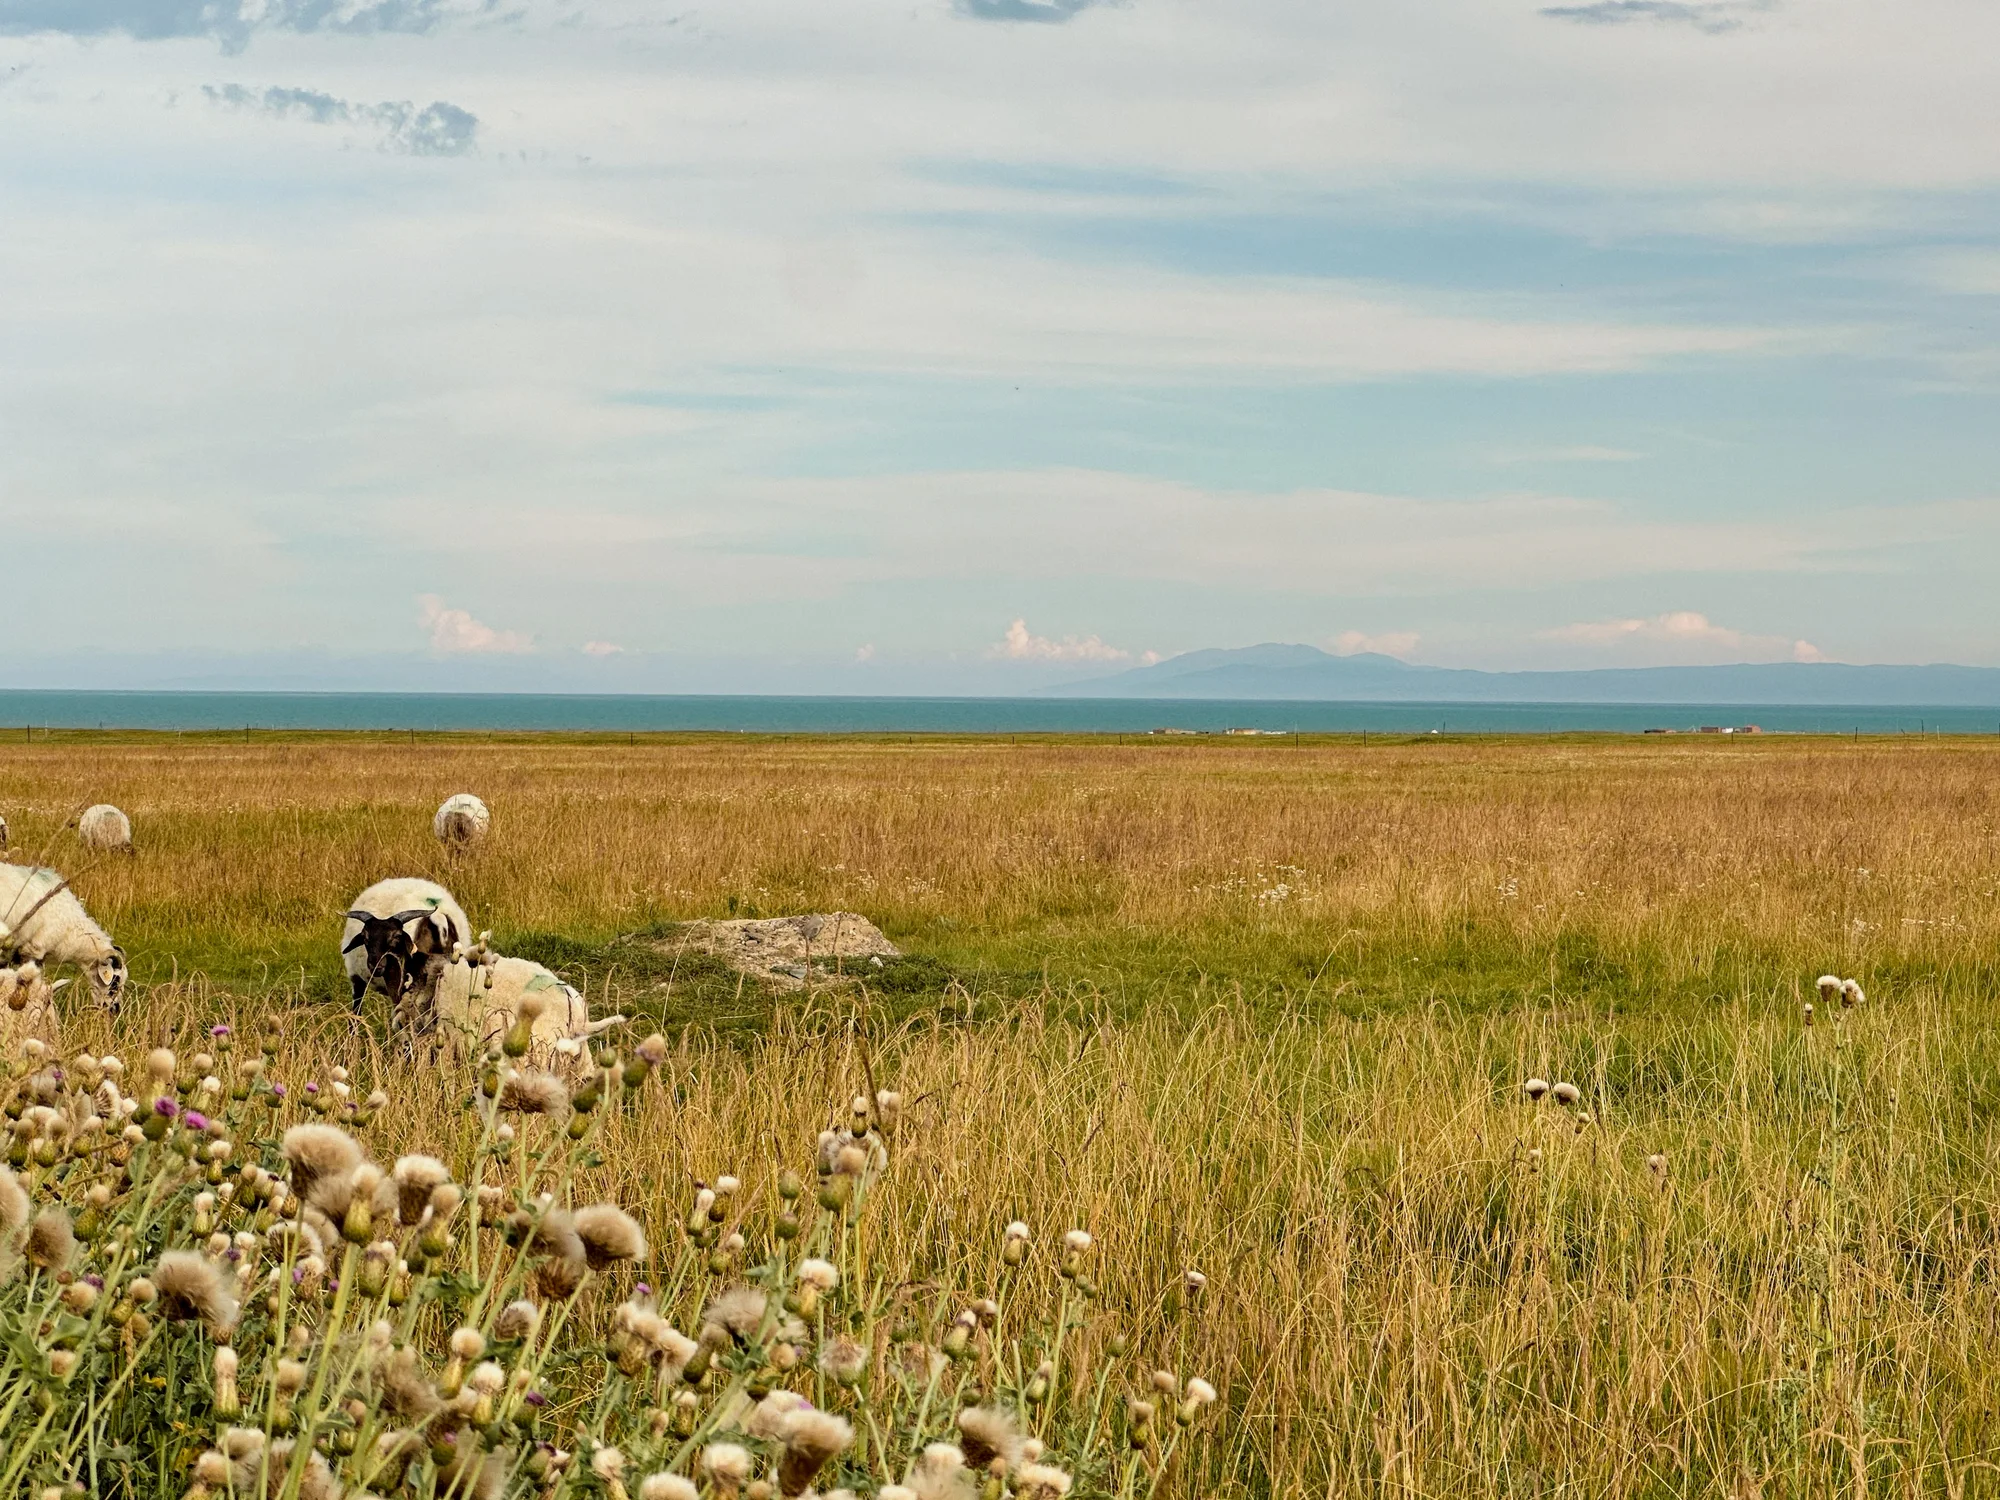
(194, 1119)
(218, 1031)
(165, 1106)
(536, 1398)
(278, 1089)
(642, 1290)
(312, 1088)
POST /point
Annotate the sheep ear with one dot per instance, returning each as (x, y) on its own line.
(355, 942)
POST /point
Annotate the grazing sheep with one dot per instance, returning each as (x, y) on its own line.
(462, 821)
(399, 938)
(42, 921)
(105, 827)
(478, 1001)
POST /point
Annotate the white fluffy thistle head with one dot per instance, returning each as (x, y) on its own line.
(609, 1235)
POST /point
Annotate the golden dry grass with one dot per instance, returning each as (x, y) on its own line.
(1804, 1303)
(1676, 857)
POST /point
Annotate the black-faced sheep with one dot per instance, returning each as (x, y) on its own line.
(42, 921)
(399, 937)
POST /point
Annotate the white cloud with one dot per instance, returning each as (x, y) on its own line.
(864, 653)
(1581, 454)
(1969, 272)
(601, 648)
(1389, 643)
(439, 129)
(1686, 631)
(1711, 16)
(454, 632)
(1019, 645)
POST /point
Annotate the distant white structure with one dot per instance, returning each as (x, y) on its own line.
(104, 827)
(461, 821)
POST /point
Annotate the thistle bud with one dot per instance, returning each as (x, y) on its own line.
(520, 1037)
(1038, 1385)
(227, 1404)
(1199, 1395)
(958, 1338)
(1014, 1244)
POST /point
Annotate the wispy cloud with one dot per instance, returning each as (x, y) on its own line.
(1055, 11)
(1020, 645)
(602, 648)
(230, 22)
(1683, 628)
(438, 129)
(1715, 16)
(1398, 643)
(1582, 454)
(454, 632)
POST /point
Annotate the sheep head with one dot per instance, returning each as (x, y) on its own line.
(401, 955)
(107, 980)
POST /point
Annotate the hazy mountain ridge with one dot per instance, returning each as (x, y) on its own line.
(1305, 673)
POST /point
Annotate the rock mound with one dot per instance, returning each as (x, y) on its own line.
(791, 952)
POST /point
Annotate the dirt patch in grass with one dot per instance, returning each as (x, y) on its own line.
(793, 953)
(713, 974)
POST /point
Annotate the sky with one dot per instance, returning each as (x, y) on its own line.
(976, 345)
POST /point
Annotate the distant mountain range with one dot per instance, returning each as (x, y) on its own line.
(1305, 673)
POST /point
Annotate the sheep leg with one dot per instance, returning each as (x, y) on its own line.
(358, 986)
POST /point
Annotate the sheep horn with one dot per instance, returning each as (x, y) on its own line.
(410, 916)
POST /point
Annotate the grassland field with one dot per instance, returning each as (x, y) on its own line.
(1263, 1009)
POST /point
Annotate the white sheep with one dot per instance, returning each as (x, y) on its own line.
(399, 937)
(462, 821)
(42, 921)
(480, 997)
(105, 828)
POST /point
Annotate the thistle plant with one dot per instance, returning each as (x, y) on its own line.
(210, 1287)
